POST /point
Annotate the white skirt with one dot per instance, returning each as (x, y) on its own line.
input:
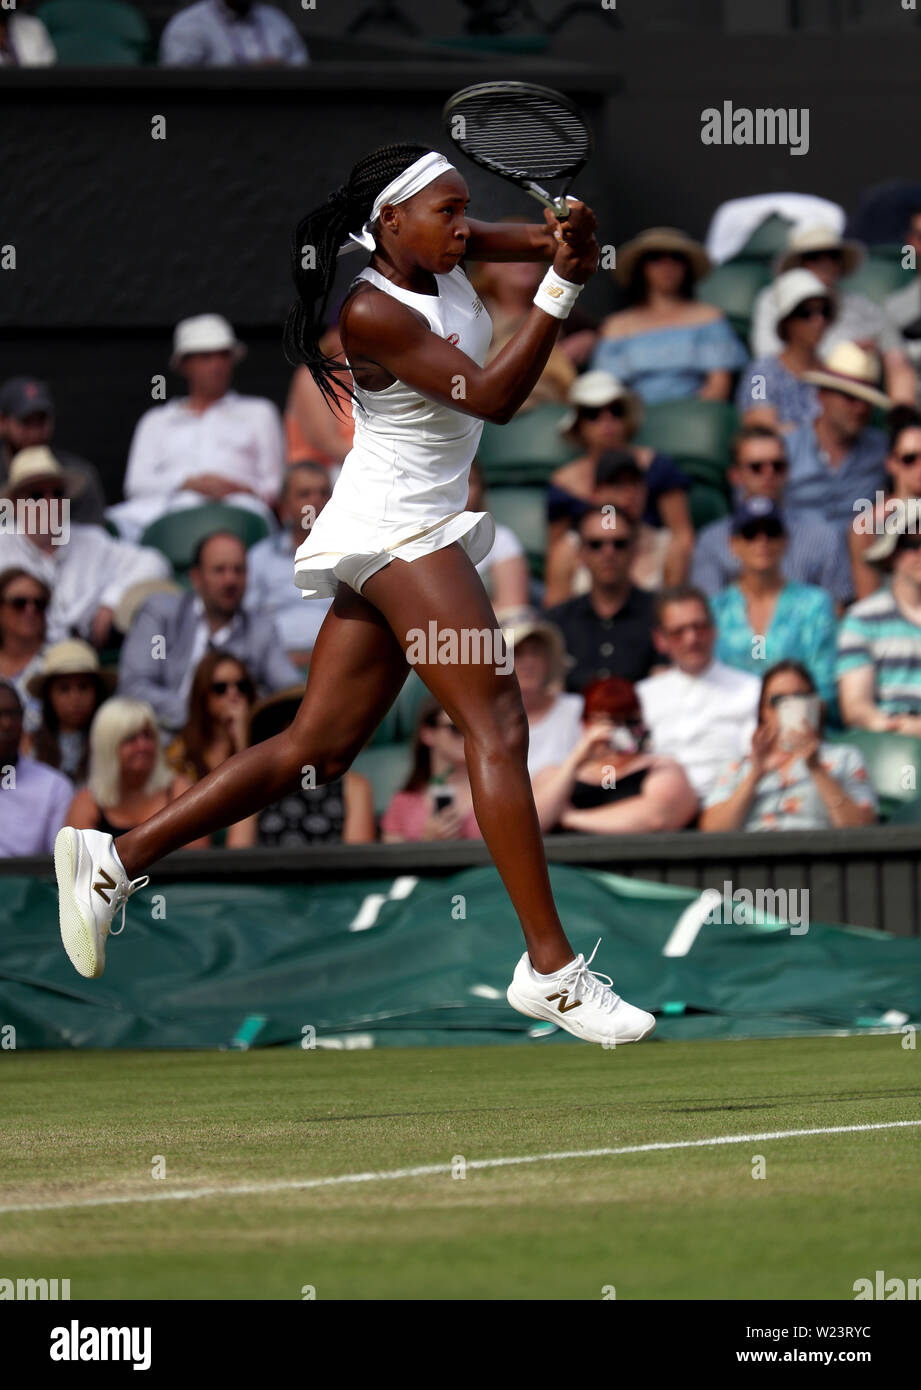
(349, 548)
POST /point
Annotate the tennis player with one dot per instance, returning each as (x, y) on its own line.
(397, 549)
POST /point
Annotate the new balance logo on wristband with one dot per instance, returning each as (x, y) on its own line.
(553, 290)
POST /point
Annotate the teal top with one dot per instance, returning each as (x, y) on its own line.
(802, 629)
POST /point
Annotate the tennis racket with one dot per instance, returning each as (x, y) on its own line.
(523, 133)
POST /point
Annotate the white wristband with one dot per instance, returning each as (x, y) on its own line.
(555, 295)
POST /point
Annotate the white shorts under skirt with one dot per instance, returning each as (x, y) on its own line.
(348, 548)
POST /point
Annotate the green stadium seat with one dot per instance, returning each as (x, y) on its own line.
(734, 287)
(878, 277)
(524, 509)
(95, 51)
(527, 449)
(97, 17)
(893, 762)
(690, 429)
(707, 503)
(768, 238)
(177, 534)
(387, 768)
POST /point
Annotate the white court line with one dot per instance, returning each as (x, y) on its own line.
(439, 1169)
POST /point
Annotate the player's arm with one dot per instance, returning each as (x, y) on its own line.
(523, 241)
(384, 332)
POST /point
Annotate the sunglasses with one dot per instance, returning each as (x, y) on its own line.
(592, 412)
(665, 256)
(775, 700)
(830, 253)
(806, 311)
(222, 687)
(776, 465)
(616, 544)
(20, 604)
(753, 529)
(909, 543)
(908, 458)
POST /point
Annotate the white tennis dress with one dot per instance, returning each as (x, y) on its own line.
(402, 491)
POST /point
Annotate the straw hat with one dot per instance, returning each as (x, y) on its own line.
(37, 464)
(72, 657)
(531, 625)
(850, 369)
(596, 389)
(793, 288)
(816, 238)
(132, 598)
(661, 239)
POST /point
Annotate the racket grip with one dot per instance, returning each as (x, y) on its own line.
(561, 209)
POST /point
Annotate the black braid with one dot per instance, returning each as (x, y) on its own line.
(323, 231)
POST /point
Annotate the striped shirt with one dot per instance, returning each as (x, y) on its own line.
(875, 632)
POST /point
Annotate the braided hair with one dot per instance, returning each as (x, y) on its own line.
(323, 232)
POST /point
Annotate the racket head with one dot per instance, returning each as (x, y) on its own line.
(520, 131)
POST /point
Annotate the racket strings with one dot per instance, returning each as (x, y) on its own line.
(532, 140)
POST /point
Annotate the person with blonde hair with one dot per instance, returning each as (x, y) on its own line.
(129, 779)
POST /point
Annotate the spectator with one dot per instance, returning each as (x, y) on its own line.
(24, 603)
(838, 456)
(608, 785)
(507, 291)
(903, 488)
(620, 486)
(231, 33)
(603, 416)
(858, 320)
(504, 570)
(879, 641)
(338, 812)
(71, 687)
(608, 631)
(270, 587)
(86, 570)
(700, 712)
(792, 779)
(904, 306)
(314, 431)
(762, 617)
(771, 389)
(220, 703)
(171, 633)
(129, 779)
(816, 552)
(35, 798)
(27, 422)
(436, 802)
(24, 41)
(213, 445)
(667, 345)
(540, 666)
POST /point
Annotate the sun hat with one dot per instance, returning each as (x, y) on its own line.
(35, 465)
(595, 389)
(802, 240)
(793, 288)
(661, 239)
(851, 369)
(71, 657)
(204, 333)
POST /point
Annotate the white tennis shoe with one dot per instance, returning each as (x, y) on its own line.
(579, 1000)
(92, 886)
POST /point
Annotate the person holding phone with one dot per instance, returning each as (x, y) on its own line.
(792, 779)
(436, 802)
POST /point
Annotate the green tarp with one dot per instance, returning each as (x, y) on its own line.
(427, 961)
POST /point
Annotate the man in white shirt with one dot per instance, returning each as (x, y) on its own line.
(232, 33)
(213, 445)
(700, 712)
(87, 570)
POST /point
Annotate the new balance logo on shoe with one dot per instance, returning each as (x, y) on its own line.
(107, 882)
(563, 1007)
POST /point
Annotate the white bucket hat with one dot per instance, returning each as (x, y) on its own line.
(793, 288)
(599, 388)
(204, 333)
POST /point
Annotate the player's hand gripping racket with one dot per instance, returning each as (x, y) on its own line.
(523, 133)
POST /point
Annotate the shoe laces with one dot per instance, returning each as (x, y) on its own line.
(121, 900)
(590, 985)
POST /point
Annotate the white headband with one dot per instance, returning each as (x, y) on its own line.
(412, 180)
